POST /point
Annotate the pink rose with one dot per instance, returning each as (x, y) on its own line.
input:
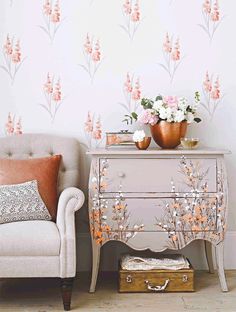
(171, 101)
(147, 116)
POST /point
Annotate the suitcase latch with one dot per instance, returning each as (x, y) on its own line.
(129, 279)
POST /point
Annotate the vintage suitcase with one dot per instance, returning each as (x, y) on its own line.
(156, 280)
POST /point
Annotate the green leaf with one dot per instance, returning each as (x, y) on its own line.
(159, 98)
(134, 115)
(146, 103)
(197, 119)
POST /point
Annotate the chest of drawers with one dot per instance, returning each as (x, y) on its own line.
(157, 200)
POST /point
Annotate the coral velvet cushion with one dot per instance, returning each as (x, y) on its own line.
(44, 170)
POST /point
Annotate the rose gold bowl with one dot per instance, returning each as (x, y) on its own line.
(143, 145)
(168, 134)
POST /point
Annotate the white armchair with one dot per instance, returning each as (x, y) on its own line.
(44, 248)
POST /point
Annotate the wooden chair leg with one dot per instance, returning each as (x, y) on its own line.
(66, 291)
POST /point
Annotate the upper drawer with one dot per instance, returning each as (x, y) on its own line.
(141, 175)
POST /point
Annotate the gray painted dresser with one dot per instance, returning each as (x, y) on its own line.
(158, 200)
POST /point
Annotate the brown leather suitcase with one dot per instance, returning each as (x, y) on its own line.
(156, 280)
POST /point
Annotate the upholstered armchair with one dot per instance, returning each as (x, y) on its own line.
(44, 248)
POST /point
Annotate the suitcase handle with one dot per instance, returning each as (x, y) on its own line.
(157, 287)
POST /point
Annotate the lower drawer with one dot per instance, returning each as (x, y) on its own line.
(156, 281)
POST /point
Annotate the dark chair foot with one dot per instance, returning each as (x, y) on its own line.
(66, 291)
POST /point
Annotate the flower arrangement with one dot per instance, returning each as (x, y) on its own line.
(138, 136)
(168, 108)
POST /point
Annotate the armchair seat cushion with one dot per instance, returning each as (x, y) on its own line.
(29, 238)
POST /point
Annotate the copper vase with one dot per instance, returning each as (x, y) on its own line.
(168, 134)
(143, 145)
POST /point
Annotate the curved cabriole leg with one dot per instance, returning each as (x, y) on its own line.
(220, 265)
(66, 291)
(95, 265)
(208, 252)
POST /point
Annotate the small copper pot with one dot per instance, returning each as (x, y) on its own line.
(168, 134)
(143, 145)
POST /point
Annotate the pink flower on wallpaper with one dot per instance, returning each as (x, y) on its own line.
(132, 95)
(93, 130)
(12, 57)
(53, 96)
(52, 18)
(211, 17)
(172, 56)
(212, 94)
(13, 127)
(132, 16)
(92, 55)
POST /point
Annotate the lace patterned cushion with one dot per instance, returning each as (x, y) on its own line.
(21, 202)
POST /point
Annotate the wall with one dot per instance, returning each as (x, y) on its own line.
(51, 78)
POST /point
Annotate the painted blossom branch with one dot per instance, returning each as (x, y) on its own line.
(172, 56)
(211, 17)
(53, 96)
(12, 57)
(92, 56)
(93, 131)
(212, 94)
(131, 13)
(52, 18)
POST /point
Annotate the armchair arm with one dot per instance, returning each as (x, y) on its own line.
(70, 200)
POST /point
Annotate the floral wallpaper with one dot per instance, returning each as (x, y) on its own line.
(80, 67)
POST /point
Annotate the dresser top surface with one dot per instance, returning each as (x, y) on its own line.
(158, 151)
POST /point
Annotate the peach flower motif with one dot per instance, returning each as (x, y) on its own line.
(93, 132)
(9, 125)
(87, 46)
(96, 56)
(176, 52)
(131, 15)
(97, 133)
(207, 6)
(167, 47)
(135, 16)
(8, 46)
(16, 56)
(18, 129)
(136, 94)
(47, 8)
(128, 85)
(207, 83)
(88, 126)
(215, 94)
(56, 15)
(57, 91)
(48, 88)
(127, 7)
(215, 15)
(212, 95)
(53, 95)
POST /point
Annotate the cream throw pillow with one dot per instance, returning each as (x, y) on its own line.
(21, 202)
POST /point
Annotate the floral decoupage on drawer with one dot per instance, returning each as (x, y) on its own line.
(191, 207)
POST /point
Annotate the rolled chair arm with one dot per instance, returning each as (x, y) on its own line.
(70, 200)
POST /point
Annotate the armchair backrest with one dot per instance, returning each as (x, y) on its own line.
(42, 145)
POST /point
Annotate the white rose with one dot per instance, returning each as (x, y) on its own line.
(138, 136)
(190, 117)
(163, 113)
(169, 114)
(158, 105)
(179, 116)
(182, 103)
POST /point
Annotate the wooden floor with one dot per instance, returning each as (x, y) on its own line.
(41, 295)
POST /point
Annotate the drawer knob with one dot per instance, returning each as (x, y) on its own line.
(121, 174)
